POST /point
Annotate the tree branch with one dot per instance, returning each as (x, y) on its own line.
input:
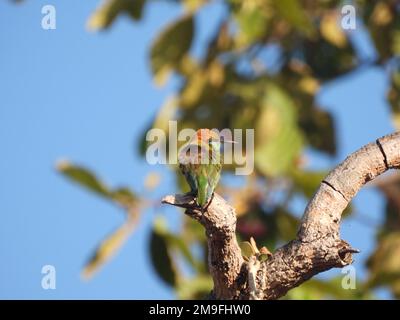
(317, 247)
(224, 256)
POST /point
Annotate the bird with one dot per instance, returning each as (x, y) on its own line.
(200, 162)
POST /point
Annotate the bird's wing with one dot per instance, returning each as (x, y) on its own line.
(207, 180)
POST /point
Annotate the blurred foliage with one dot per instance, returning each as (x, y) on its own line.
(239, 83)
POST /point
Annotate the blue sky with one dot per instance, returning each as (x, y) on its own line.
(69, 93)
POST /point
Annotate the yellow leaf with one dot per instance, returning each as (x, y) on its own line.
(309, 85)
(254, 245)
(247, 249)
(331, 30)
(216, 73)
(382, 15)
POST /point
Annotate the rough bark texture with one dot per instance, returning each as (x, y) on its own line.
(318, 246)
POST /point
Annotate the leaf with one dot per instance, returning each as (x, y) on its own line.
(247, 249)
(83, 177)
(170, 47)
(331, 30)
(252, 22)
(384, 263)
(108, 248)
(105, 15)
(319, 128)
(278, 138)
(194, 5)
(263, 257)
(195, 288)
(287, 224)
(393, 96)
(315, 289)
(295, 15)
(161, 257)
(254, 245)
(124, 197)
(176, 242)
(264, 254)
(193, 89)
(307, 182)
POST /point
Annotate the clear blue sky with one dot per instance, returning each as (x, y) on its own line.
(68, 93)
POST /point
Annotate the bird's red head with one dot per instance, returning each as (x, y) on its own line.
(206, 135)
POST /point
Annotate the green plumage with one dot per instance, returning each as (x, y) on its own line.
(200, 163)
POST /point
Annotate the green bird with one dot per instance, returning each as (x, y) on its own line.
(200, 162)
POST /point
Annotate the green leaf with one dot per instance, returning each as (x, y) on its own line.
(393, 96)
(263, 257)
(105, 15)
(195, 288)
(287, 224)
(177, 243)
(108, 248)
(253, 24)
(319, 129)
(124, 196)
(295, 15)
(315, 289)
(384, 263)
(161, 256)
(83, 177)
(278, 138)
(170, 47)
(307, 182)
(247, 249)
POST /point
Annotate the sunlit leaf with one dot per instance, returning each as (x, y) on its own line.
(252, 21)
(195, 288)
(108, 11)
(194, 5)
(279, 139)
(332, 31)
(247, 249)
(108, 248)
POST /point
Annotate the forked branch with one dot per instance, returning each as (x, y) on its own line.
(317, 247)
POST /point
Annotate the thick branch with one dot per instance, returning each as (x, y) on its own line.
(318, 246)
(224, 256)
